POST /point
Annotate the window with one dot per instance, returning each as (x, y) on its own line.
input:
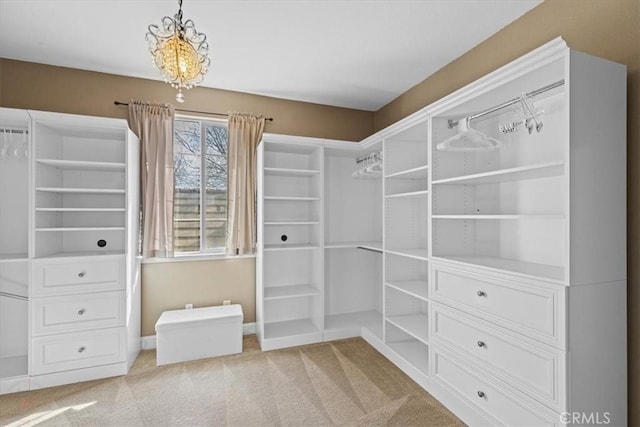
(200, 199)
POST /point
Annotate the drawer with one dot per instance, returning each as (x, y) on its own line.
(534, 310)
(77, 312)
(65, 352)
(531, 368)
(486, 396)
(78, 275)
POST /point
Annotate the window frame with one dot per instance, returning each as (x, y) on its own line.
(217, 252)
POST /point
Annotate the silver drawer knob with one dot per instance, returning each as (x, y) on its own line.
(81, 274)
(81, 311)
(82, 349)
(481, 293)
(481, 344)
(481, 394)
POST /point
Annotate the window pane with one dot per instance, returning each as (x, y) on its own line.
(216, 186)
(187, 162)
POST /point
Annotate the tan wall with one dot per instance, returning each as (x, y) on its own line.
(171, 285)
(67, 90)
(608, 29)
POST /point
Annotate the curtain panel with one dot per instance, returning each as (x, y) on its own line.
(245, 133)
(153, 124)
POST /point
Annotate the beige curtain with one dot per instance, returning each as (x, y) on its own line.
(245, 133)
(153, 124)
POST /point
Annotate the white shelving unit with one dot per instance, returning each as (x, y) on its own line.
(289, 296)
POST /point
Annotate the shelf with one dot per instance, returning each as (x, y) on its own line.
(81, 229)
(546, 271)
(13, 257)
(81, 190)
(409, 194)
(415, 325)
(292, 223)
(13, 366)
(292, 198)
(419, 253)
(291, 291)
(467, 217)
(80, 254)
(521, 173)
(415, 288)
(290, 172)
(289, 328)
(373, 246)
(289, 247)
(80, 209)
(83, 165)
(370, 319)
(414, 352)
(413, 173)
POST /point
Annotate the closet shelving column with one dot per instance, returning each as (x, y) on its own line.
(352, 241)
(406, 189)
(290, 302)
(14, 264)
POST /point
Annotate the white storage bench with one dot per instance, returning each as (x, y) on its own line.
(198, 333)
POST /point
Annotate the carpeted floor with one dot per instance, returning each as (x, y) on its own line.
(345, 383)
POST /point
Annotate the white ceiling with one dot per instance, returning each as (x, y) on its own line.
(357, 54)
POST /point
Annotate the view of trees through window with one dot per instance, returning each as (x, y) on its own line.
(200, 169)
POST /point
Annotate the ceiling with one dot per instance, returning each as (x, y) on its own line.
(357, 54)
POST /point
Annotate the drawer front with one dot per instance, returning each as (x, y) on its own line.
(486, 396)
(78, 312)
(530, 368)
(78, 275)
(65, 352)
(536, 311)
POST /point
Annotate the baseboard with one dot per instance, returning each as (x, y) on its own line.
(149, 342)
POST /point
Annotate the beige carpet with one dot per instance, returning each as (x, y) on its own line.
(345, 383)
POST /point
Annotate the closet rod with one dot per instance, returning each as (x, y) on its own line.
(14, 296)
(369, 249)
(454, 123)
(269, 119)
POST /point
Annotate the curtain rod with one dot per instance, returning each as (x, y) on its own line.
(453, 123)
(269, 119)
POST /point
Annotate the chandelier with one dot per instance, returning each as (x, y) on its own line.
(179, 52)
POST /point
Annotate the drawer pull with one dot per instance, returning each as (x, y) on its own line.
(81, 274)
(81, 311)
(82, 349)
(481, 344)
(481, 293)
(481, 394)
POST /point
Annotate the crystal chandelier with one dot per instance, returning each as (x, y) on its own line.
(179, 52)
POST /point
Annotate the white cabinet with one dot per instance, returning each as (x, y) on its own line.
(71, 252)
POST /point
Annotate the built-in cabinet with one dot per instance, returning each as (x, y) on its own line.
(500, 284)
(71, 216)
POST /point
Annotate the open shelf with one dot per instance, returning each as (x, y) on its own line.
(80, 229)
(471, 217)
(291, 291)
(289, 328)
(82, 165)
(415, 325)
(374, 246)
(414, 352)
(552, 272)
(536, 171)
(419, 172)
(82, 190)
(370, 319)
(78, 254)
(417, 253)
(408, 194)
(292, 198)
(291, 172)
(292, 223)
(289, 247)
(415, 288)
(18, 257)
(80, 209)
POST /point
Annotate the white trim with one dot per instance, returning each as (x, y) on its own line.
(195, 257)
(149, 342)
